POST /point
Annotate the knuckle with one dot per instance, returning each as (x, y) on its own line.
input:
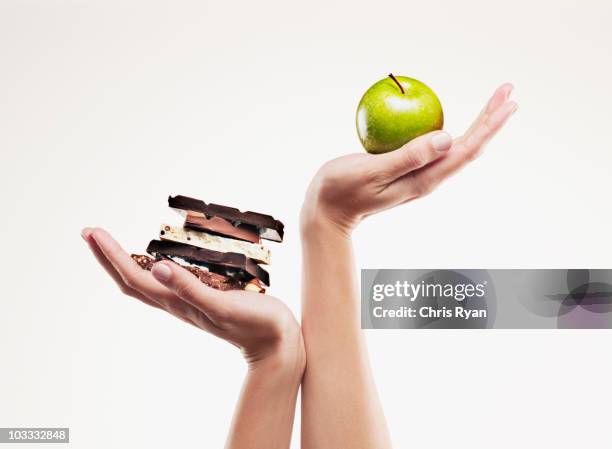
(327, 184)
(327, 172)
(133, 281)
(487, 127)
(378, 177)
(325, 180)
(423, 187)
(222, 314)
(474, 153)
(419, 189)
(130, 283)
(174, 307)
(335, 171)
(427, 189)
(185, 290)
(126, 289)
(415, 159)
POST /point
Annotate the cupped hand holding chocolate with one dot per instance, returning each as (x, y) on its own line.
(260, 325)
(347, 189)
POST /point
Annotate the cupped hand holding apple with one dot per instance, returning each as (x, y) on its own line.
(347, 189)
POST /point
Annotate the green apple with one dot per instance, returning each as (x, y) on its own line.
(394, 111)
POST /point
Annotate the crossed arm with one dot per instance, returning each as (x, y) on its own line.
(340, 406)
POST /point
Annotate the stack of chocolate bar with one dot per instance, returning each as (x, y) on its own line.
(218, 244)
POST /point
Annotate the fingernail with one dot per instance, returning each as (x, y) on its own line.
(161, 272)
(85, 233)
(441, 141)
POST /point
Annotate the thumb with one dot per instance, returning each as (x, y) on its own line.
(415, 154)
(189, 288)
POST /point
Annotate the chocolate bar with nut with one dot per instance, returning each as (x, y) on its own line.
(214, 280)
(219, 245)
(227, 263)
(214, 242)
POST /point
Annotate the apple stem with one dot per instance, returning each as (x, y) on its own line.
(397, 82)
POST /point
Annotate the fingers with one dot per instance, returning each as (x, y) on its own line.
(138, 283)
(87, 235)
(490, 120)
(474, 142)
(500, 96)
(189, 288)
(465, 149)
(414, 155)
(471, 144)
(130, 272)
(141, 281)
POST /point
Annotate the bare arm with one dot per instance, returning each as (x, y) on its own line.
(265, 411)
(261, 326)
(340, 405)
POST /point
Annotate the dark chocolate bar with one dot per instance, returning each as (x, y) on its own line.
(269, 228)
(215, 260)
(214, 280)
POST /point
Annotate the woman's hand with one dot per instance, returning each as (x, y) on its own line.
(261, 326)
(347, 189)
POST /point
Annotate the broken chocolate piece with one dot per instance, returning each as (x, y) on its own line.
(214, 242)
(218, 225)
(214, 280)
(220, 245)
(255, 286)
(219, 262)
(145, 262)
(269, 228)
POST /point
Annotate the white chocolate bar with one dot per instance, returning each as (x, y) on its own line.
(214, 242)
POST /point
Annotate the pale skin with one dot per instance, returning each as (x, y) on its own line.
(261, 326)
(340, 405)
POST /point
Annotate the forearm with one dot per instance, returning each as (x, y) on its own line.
(265, 411)
(340, 405)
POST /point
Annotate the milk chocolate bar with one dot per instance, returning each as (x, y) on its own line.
(214, 280)
(268, 227)
(214, 242)
(220, 226)
(233, 264)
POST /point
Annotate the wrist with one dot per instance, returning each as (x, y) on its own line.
(316, 221)
(286, 358)
(325, 213)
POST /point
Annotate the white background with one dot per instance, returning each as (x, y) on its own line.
(108, 107)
